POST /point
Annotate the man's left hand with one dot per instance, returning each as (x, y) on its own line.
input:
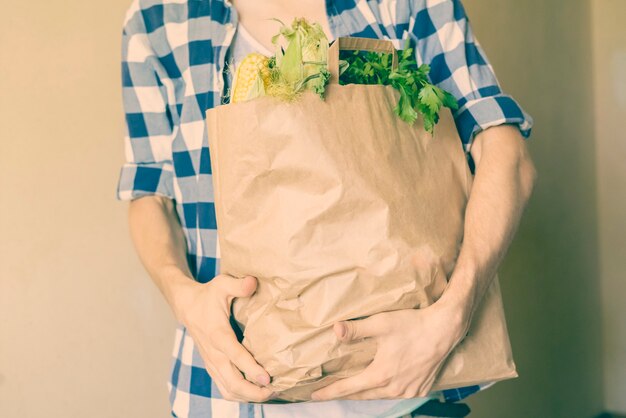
(412, 345)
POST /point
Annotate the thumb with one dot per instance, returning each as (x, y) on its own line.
(347, 331)
(236, 287)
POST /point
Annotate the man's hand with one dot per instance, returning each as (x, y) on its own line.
(412, 345)
(205, 311)
(204, 308)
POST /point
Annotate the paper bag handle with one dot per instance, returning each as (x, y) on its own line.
(357, 44)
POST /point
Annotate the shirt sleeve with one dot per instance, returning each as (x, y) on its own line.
(445, 40)
(148, 126)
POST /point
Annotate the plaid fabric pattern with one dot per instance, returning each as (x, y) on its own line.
(172, 61)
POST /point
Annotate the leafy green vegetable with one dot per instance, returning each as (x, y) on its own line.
(417, 95)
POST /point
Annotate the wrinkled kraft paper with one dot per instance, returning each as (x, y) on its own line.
(342, 210)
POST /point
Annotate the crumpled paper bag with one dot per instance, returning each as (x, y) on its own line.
(342, 210)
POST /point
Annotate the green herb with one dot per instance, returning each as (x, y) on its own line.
(417, 95)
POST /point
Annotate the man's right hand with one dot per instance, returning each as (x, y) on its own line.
(205, 312)
(204, 308)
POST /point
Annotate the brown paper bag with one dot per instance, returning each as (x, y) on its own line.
(327, 202)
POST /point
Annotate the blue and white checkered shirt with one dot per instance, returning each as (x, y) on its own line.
(173, 57)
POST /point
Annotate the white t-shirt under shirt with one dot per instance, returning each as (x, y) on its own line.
(242, 44)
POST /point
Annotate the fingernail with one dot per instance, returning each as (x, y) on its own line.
(263, 379)
(344, 330)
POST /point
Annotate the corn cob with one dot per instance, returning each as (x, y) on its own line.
(252, 78)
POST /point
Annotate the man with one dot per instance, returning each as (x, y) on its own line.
(173, 57)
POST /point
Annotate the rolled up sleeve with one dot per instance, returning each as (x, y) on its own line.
(148, 123)
(445, 41)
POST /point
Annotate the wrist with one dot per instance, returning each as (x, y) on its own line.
(459, 298)
(178, 288)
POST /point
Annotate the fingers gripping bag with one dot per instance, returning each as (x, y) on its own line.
(342, 210)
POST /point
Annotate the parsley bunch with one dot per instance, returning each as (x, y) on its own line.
(417, 95)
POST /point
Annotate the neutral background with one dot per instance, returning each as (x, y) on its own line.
(85, 333)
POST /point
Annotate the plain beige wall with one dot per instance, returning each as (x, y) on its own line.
(609, 40)
(83, 330)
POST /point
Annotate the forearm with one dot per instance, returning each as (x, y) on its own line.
(502, 185)
(158, 238)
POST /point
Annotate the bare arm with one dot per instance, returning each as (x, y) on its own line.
(158, 237)
(204, 308)
(408, 358)
(503, 183)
